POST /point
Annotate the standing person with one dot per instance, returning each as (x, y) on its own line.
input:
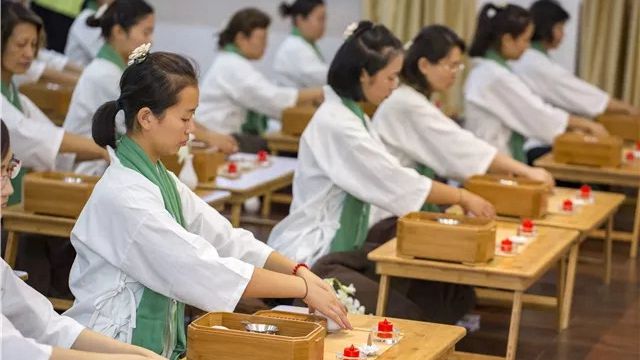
(57, 17)
(344, 170)
(298, 61)
(84, 42)
(147, 244)
(499, 107)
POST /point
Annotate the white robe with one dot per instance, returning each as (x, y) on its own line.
(125, 240)
(497, 102)
(98, 84)
(29, 327)
(559, 87)
(297, 64)
(417, 132)
(231, 87)
(35, 140)
(338, 155)
(83, 42)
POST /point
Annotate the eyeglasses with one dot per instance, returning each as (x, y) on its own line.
(13, 168)
(454, 68)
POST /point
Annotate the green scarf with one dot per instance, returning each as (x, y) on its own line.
(108, 53)
(537, 45)
(254, 123)
(92, 5)
(424, 170)
(516, 141)
(296, 32)
(13, 96)
(157, 315)
(354, 219)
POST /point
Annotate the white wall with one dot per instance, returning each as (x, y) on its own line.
(189, 27)
(567, 53)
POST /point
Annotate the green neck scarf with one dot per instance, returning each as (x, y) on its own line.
(159, 319)
(424, 170)
(255, 123)
(92, 5)
(108, 53)
(354, 219)
(296, 32)
(516, 141)
(13, 96)
(537, 45)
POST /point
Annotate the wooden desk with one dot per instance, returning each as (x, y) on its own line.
(278, 142)
(258, 182)
(424, 341)
(514, 273)
(16, 220)
(585, 219)
(627, 175)
(53, 99)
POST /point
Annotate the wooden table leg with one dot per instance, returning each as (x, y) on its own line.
(383, 295)
(514, 326)
(11, 250)
(561, 278)
(266, 204)
(636, 229)
(567, 297)
(608, 244)
(236, 211)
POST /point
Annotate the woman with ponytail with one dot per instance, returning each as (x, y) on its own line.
(147, 245)
(499, 107)
(36, 140)
(298, 61)
(344, 172)
(236, 98)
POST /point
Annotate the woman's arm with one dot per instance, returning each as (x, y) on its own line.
(225, 143)
(313, 96)
(585, 125)
(85, 149)
(95, 346)
(442, 194)
(620, 106)
(503, 164)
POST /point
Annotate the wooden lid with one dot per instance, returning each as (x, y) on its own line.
(62, 177)
(448, 221)
(504, 181)
(582, 139)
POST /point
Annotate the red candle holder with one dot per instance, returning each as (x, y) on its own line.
(638, 145)
(527, 226)
(585, 191)
(506, 245)
(262, 155)
(630, 156)
(567, 205)
(232, 168)
(385, 329)
(351, 352)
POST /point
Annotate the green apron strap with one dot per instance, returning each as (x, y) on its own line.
(354, 218)
(428, 172)
(296, 32)
(516, 145)
(17, 182)
(255, 123)
(159, 319)
(107, 52)
(537, 45)
(10, 92)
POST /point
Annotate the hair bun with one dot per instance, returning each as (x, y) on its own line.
(285, 9)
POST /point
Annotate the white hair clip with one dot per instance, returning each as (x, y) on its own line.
(350, 29)
(101, 10)
(491, 13)
(139, 54)
(407, 45)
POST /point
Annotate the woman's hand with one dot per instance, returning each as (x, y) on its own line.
(223, 142)
(474, 204)
(321, 297)
(540, 174)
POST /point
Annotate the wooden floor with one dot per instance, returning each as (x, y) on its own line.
(605, 322)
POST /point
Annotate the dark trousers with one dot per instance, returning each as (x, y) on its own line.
(56, 26)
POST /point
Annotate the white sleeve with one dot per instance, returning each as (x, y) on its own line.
(35, 139)
(361, 166)
(53, 59)
(525, 112)
(33, 316)
(205, 221)
(33, 73)
(160, 254)
(252, 90)
(15, 346)
(574, 94)
(430, 138)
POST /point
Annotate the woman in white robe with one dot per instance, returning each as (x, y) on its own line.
(344, 169)
(419, 135)
(83, 41)
(235, 97)
(552, 82)
(29, 327)
(298, 61)
(147, 245)
(499, 107)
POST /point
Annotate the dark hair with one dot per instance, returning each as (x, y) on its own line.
(546, 14)
(154, 83)
(4, 139)
(14, 13)
(509, 19)
(126, 13)
(370, 48)
(299, 7)
(434, 43)
(243, 21)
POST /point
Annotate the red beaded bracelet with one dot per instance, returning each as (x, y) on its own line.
(298, 266)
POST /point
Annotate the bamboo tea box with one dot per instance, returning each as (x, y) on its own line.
(511, 196)
(57, 193)
(446, 237)
(581, 149)
(224, 336)
(625, 126)
(295, 119)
